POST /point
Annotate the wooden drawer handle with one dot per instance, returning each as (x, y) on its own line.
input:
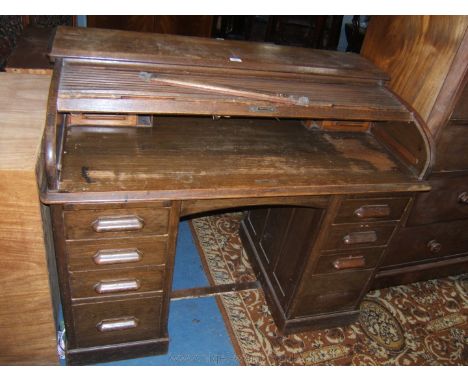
(349, 262)
(360, 237)
(103, 287)
(117, 324)
(116, 256)
(463, 198)
(434, 246)
(373, 211)
(118, 223)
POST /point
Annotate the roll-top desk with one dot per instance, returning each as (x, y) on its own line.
(145, 129)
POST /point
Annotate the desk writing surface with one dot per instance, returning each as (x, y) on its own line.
(199, 157)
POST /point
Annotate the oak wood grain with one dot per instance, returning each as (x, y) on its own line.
(27, 327)
(418, 57)
(180, 50)
(198, 158)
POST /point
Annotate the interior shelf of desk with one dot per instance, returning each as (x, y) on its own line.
(205, 158)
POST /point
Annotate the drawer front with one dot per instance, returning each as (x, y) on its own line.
(379, 209)
(415, 244)
(123, 222)
(116, 253)
(350, 236)
(448, 200)
(115, 281)
(364, 258)
(121, 321)
(452, 148)
(331, 293)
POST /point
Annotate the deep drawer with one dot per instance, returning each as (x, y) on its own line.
(350, 236)
(330, 293)
(122, 222)
(451, 154)
(363, 258)
(378, 209)
(448, 200)
(415, 244)
(115, 281)
(116, 253)
(121, 321)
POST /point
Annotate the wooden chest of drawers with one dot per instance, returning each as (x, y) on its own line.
(433, 242)
(317, 264)
(115, 266)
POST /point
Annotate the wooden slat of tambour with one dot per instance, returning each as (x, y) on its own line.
(203, 52)
(124, 90)
(206, 157)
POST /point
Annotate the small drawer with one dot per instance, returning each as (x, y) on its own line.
(365, 258)
(333, 292)
(363, 210)
(118, 321)
(349, 236)
(448, 200)
(432, 241)
(117, 222)
(115, 281)
(116, 253)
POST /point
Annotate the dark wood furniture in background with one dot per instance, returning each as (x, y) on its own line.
(426, 58)
(198, 125)
(200, 26)
(30, 53)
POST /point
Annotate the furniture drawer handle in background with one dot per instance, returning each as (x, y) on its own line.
(103, 287)
(117, 324)
(434, 246)
(463, 198)
(118, 223)
(373, 211)
(360, 237)
(116, 256)
(349, 262)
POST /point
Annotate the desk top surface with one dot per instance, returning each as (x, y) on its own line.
(211, 53)
(189, 158)
(23, 101)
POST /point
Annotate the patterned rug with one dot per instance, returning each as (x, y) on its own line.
(423, 323)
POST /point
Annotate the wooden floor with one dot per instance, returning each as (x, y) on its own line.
(202, 157)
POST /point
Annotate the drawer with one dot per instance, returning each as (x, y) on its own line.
(117, 222)
(115, 281)
(448, 200)
(116, 253)
(433, 241)
(113, 322)
(364, 258)
(350, 236)
(378, 209)
(329, 293)
(452, 152)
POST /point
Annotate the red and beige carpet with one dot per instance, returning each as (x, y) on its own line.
(424, 323)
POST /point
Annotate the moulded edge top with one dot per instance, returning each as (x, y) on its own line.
(114, 45)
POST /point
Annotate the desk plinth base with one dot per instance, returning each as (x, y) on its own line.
(98, 354)
(286, 324)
